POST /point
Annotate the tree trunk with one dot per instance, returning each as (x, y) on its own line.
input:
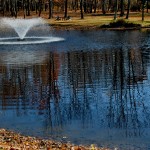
(143, 2)
(104, 7)
(109, 4)
(50, 9)
(24, 11)
(128, 9)
(66, 5)
(8, 5)
(122, 8)
(11, 7)
(81, 9)
(36, 7)
(76, 5)
(28, 8)
(95, 6)
(116, 8)
(85, 6)
(16, 10)
(40, 7)
(3, 5)
(147, 6)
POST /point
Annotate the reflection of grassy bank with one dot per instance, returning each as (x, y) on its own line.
(13, 141)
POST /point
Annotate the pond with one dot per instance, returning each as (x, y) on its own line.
(92, 88)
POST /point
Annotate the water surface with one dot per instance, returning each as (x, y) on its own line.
(94, 87)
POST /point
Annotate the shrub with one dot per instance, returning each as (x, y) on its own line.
(118, 23)
(121, 23)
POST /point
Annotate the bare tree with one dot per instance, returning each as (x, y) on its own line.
(66, 5)
(143, 3)
(50, 9)
(104, 6)
(28, 8)
(121, 8)
(81, 9)
(116, 9)
(40, 7)
(128, 9)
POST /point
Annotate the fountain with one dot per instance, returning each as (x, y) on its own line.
(22, 28)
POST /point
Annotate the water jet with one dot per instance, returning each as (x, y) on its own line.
(24, 27)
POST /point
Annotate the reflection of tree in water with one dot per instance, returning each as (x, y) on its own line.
(74, 90)
(126, 105)
(30, 87)
(79, 77)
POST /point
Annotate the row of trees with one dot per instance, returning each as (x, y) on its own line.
(12, 7)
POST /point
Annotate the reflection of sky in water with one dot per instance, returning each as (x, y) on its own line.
(89, 96)
(22, 57)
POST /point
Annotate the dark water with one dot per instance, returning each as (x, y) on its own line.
(92, 88)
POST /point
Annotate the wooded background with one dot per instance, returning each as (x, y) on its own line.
(51, 7)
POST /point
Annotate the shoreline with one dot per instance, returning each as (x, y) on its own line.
(10, 140)
(97, 28)
(90, 28)
(96, 23)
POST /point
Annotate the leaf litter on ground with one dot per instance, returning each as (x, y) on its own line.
(10, 140)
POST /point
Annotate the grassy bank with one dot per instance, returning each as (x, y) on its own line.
(93, 21)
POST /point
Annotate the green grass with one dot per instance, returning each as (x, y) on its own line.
(99, 21)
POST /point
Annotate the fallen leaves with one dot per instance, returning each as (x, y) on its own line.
(13, 141)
